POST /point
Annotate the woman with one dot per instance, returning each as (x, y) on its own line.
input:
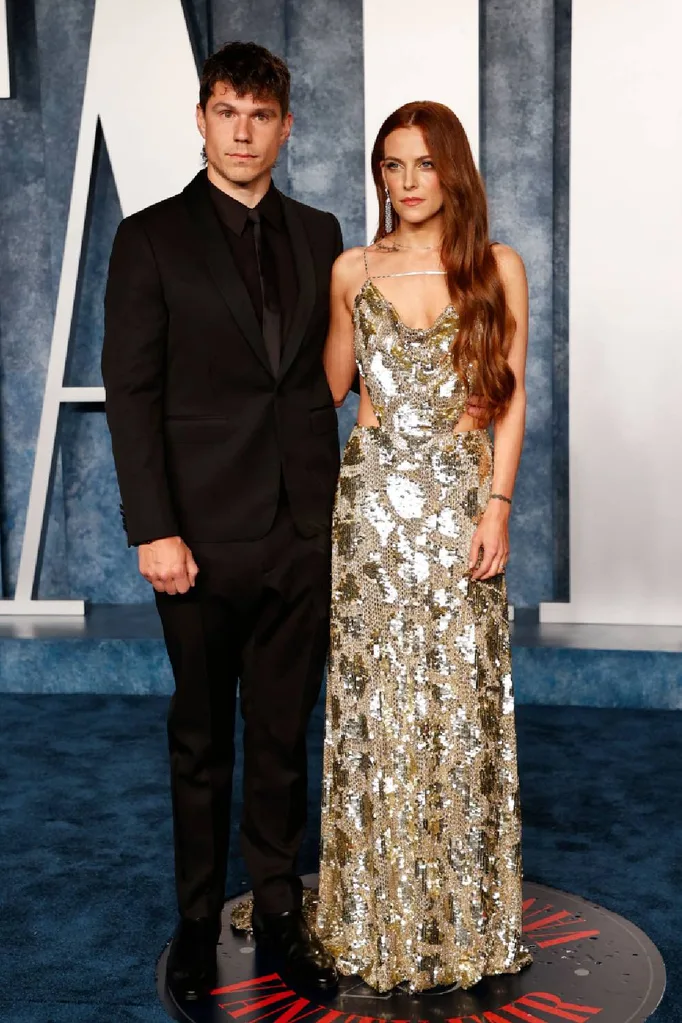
(420, 880)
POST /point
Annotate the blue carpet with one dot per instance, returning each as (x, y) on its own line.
(85, 842)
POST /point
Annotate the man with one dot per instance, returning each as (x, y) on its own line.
(225, 443)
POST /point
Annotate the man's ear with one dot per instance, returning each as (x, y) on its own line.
(287, 125)
(201, 121)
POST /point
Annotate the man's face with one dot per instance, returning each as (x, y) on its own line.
(243, 135)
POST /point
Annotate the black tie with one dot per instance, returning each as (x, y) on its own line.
(272, 328)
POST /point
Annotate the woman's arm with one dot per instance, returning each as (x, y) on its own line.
(339, 350)
(493, 530)
(509, 428)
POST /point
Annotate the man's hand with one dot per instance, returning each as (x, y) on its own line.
(168, 565)
(477, 406)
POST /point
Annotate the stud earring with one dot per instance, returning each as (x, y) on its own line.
(388, 213)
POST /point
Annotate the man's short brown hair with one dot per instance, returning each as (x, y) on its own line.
(249, 69)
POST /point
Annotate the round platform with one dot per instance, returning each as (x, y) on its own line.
(588, 963)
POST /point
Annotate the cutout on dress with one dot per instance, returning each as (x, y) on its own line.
(366, 410)
(466, 424)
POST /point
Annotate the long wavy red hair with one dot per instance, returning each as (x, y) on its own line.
(486, 324)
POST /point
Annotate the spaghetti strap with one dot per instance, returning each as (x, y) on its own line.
(404, 273)
(412, 273)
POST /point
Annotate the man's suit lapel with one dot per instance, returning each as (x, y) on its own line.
(305, 272)
(222, 266)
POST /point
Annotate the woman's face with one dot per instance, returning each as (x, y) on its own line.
(410, 176)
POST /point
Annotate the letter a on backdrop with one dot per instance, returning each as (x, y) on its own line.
(140, 60)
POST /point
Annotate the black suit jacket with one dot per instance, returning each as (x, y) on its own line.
(202, 431)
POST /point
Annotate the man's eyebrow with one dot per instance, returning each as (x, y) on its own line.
(223, 105)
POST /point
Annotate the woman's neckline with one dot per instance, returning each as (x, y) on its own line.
(449, 308)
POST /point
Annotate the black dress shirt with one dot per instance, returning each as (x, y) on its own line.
(277, 256)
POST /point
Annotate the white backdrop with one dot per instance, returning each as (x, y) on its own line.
(625, 380)
(626, 229)
(409, 57)
(4, 52)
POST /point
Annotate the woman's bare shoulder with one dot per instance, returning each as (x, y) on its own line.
(509, 262)
(350, 263)
(348, 272)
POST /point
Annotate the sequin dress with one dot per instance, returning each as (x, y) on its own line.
(420, 877)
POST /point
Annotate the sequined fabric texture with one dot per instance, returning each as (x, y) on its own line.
(420, 878)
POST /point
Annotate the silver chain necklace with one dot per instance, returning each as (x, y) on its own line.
(397, 247)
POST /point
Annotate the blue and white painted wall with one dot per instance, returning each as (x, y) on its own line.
(505, 67)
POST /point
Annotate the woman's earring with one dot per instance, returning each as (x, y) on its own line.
(388, 213)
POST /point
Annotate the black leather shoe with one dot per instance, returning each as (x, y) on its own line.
(287, 942)
(191, 970)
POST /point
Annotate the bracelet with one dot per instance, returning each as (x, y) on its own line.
(501, 497)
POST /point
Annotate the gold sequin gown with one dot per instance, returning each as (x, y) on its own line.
(420, 876)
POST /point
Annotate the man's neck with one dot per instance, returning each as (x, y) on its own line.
(248, 194)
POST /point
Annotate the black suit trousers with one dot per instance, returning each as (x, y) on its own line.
(256, 624)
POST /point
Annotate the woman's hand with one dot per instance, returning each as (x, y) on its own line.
(491, 537)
